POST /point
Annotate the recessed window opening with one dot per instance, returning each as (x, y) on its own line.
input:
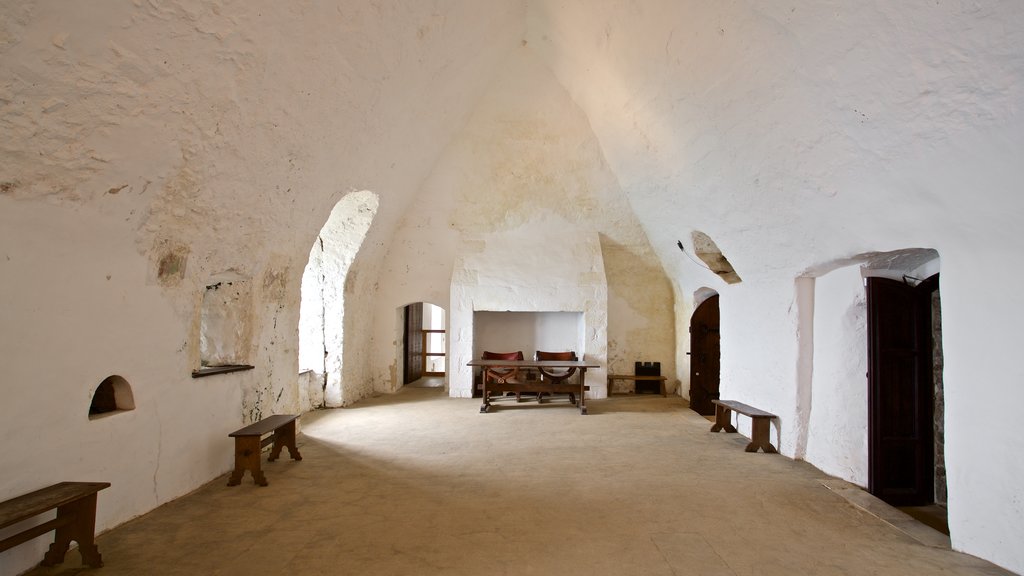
(225, 332)
(113, 395)
(712, 256)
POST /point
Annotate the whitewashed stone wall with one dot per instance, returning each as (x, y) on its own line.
(546, 266)
(526, 165)
(149, 147)
(322, 310)
(801, 134)
(837, 436)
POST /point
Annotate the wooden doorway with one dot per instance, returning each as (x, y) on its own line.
(413, 341)
(705, 356)
(901, 391)
(424, 342)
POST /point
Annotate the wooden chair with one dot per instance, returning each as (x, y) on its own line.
(508, 375)
(556, 375)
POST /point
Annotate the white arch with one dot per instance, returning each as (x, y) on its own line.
(321, 312)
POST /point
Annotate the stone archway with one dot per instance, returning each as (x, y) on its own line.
(322, 310)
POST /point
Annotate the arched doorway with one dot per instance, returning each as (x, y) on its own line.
(322, 308)
(705, 356)
(424, 344)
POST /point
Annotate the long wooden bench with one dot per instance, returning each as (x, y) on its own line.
(249, 444)
(660, 379)
(75, 503)
(760, 435)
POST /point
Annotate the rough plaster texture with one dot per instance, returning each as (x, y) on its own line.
(322, 310)
(482, 282)
(527, 160)
(837, 434)
(801, 134)
(161, 144)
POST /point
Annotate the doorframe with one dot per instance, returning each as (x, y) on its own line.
(701, 408)
(924, 390)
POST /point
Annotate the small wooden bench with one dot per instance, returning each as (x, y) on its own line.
(660, 379)
(760, 435)
(75, 503)
(249, 443)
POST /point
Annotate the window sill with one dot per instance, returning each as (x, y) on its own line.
(212, 370)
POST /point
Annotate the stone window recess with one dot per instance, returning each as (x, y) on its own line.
(113, 395)
(712, 256)
(226, 324)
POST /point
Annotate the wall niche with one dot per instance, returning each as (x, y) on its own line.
(113, 395)
(226, 325)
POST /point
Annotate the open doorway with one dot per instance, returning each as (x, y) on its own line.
(424, 341)
(322, 307)
(905, 397)
(705, 356)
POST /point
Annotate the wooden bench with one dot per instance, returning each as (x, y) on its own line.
(75, 503)
(635, 379)
(249, 443)
(760, 435)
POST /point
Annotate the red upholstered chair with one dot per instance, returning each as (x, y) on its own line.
(556, 375)
(502, 375)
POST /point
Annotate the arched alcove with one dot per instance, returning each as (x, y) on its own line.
(113, 395)
(322, 309)
(837, 406)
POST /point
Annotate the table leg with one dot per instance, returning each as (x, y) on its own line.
(487, 398)
(583, 391)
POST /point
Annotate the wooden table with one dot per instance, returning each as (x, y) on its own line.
(537, 386)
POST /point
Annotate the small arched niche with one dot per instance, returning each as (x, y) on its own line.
(112, 396)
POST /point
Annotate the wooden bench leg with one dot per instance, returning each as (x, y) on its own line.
(284, 437)
(760, 436)
(247, 457)
(80, 525)
(723, 420)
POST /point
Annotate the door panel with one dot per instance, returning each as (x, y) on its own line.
(901, 453)
(413, 343)
(705, 356)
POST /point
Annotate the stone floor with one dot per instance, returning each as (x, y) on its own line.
(417, 483)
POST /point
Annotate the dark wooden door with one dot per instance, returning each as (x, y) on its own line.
(705, 356)
(413, 339)
(900, 392)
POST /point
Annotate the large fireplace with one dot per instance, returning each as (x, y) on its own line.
(557, 276)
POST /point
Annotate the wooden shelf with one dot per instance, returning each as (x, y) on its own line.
(212, 370)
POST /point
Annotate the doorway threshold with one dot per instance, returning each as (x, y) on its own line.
(899, 520)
